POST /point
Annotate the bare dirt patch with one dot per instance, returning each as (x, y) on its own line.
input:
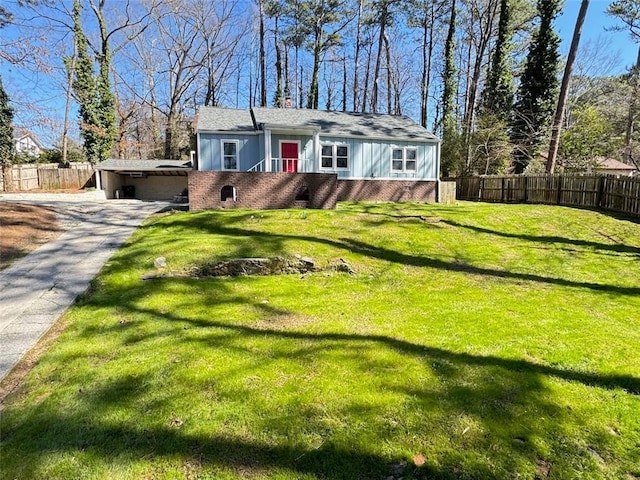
(24, 228)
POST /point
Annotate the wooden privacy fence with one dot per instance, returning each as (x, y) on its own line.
(617, 194)
(50, 176)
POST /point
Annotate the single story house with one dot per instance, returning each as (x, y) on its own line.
(278, 158)
(142, 179)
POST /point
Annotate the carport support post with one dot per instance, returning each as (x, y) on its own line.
(98, 182)
(100, 194)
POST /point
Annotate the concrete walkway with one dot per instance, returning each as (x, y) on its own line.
(36, 290)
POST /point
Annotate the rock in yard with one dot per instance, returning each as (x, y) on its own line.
(160, 262)
(341, 265)
(259, 266)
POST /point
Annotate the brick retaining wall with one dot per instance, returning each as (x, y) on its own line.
(263, 190)
(388, 190)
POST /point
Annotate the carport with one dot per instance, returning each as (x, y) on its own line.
(142, 179)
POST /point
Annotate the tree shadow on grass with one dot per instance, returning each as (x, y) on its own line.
(553, 239)
(495, 409)
(276, 243)
(474, 417)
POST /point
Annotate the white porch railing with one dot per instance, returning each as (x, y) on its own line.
(258, 167)
(289, 165)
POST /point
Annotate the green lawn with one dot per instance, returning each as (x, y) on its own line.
(474, 341)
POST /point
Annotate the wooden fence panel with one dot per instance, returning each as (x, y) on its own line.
(621, 195)
(467, 188)
(447, 192)
(579, 191)
(491, 189)
(618, 194)
(542, 189)
(64, 178)
(45, 176)
(24, 177)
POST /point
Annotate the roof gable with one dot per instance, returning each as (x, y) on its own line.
(20, 134)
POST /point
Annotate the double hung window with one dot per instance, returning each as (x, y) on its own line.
(404, 159)
(230, 155)
(335, 156)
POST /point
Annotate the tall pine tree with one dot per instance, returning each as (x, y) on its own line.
(6, 127)
(450, 134)
(536, 97)
(497, 98)
(94, 96)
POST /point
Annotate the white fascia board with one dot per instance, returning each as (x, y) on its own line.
(383, 139)
(284, 129)
(229, 133)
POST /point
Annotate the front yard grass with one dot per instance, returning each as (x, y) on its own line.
(473, 341)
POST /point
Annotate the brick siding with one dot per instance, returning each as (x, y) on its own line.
(262, 190)
(388, 190)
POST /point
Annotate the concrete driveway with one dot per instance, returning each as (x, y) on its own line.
(37, 289)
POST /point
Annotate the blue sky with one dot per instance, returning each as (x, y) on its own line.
(595, 25)
(615, 49)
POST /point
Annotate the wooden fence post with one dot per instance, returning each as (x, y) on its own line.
(559, 189)
(599, 190)
(6, 177)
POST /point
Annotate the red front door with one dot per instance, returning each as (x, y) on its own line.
(289, 155)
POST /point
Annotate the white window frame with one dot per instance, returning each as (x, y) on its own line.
(222, 155)
(404, 160)
(334, 156)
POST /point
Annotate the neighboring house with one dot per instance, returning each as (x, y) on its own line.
(611, 166)
(26, 142)
(274, 158)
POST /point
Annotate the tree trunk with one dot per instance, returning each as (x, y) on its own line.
(366, 81)
(376, 70)
(564, 89)
(344, 82)
(312, 100)
(469, 116)
(67, 105)
(278, 100)
(448, 93)
(390, 82)
(263, 61)
(356, 60)
(424, 83)
(633, 107)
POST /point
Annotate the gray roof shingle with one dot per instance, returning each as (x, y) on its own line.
(220, 119)
(370, 125)
(366, 125)
(123, 165)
